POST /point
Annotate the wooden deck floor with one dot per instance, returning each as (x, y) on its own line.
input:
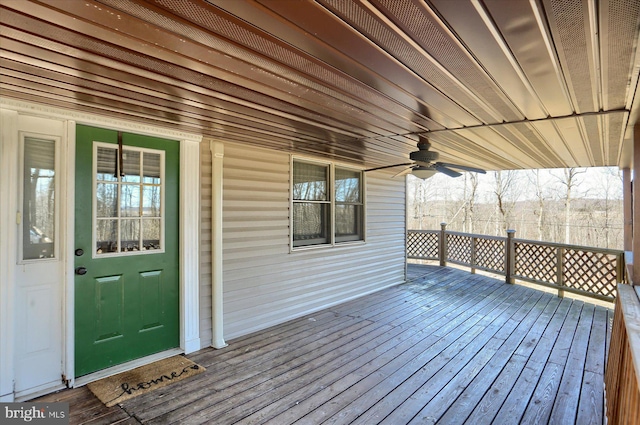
(449, 348)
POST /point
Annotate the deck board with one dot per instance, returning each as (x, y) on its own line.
(508, 337)
(517, 400)
(471, 351)
(448, 347)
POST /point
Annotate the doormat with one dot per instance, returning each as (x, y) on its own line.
(126, 385)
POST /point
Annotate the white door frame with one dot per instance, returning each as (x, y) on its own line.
(8, 243)
(189, 230)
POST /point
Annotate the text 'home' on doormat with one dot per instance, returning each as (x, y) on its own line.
(126, 385)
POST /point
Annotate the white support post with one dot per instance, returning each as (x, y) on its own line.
(636, 205)
(189, 252)
(8, 242)
(217, 156)
(626, 265)
(627, 209)
(70, 237)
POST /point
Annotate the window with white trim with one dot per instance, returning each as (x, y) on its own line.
(327, 204)
(128, 205)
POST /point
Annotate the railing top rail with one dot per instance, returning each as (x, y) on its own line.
(575, 247)
(476, 235)
(423, 231)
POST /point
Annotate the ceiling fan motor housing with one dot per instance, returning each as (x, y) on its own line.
(424, 156)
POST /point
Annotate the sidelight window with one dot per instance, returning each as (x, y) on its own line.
(39, 203)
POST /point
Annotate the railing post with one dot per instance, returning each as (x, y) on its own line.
(510, 257)
(620, 268)
(473, 255)
(560, 270)
(442, 248)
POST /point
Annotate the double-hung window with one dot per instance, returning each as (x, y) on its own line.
(327, 203)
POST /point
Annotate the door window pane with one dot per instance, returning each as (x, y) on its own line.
(133, 201)
(106, 164)
(106, 200)
(106, 236)
(131, 167)
(151, 173)
(151, 201)
(130, 235)
(39, 199)
(151, 234)
(130, 200)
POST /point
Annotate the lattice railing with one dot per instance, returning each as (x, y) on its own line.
(583, 270)
(593, 272)
(422, 244)
(459, 248)
(489, 253)
(535, 262)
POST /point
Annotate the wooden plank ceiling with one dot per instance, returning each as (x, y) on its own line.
(497, 84)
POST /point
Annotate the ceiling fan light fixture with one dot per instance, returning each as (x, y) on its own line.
(424, 172)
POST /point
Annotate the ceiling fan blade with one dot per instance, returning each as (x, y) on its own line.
(388, 166)
(444, 170)
(462, 167)
(403, 172)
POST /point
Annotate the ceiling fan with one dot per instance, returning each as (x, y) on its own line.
(425, 164)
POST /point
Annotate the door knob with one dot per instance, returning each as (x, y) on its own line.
(81, 271)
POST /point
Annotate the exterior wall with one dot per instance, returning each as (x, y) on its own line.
(265, 283)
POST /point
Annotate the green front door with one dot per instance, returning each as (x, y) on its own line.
(127, 247)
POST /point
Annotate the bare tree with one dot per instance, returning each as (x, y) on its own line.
(570, 181)
(506, 196)
(610, 193)
(540, 212)
(470, 193)
(422, 195)
(420, 201)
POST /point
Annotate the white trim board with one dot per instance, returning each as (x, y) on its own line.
(8, 242)
(34, 109)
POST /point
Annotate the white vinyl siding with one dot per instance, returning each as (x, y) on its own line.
(205, 290)
(264, 282)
